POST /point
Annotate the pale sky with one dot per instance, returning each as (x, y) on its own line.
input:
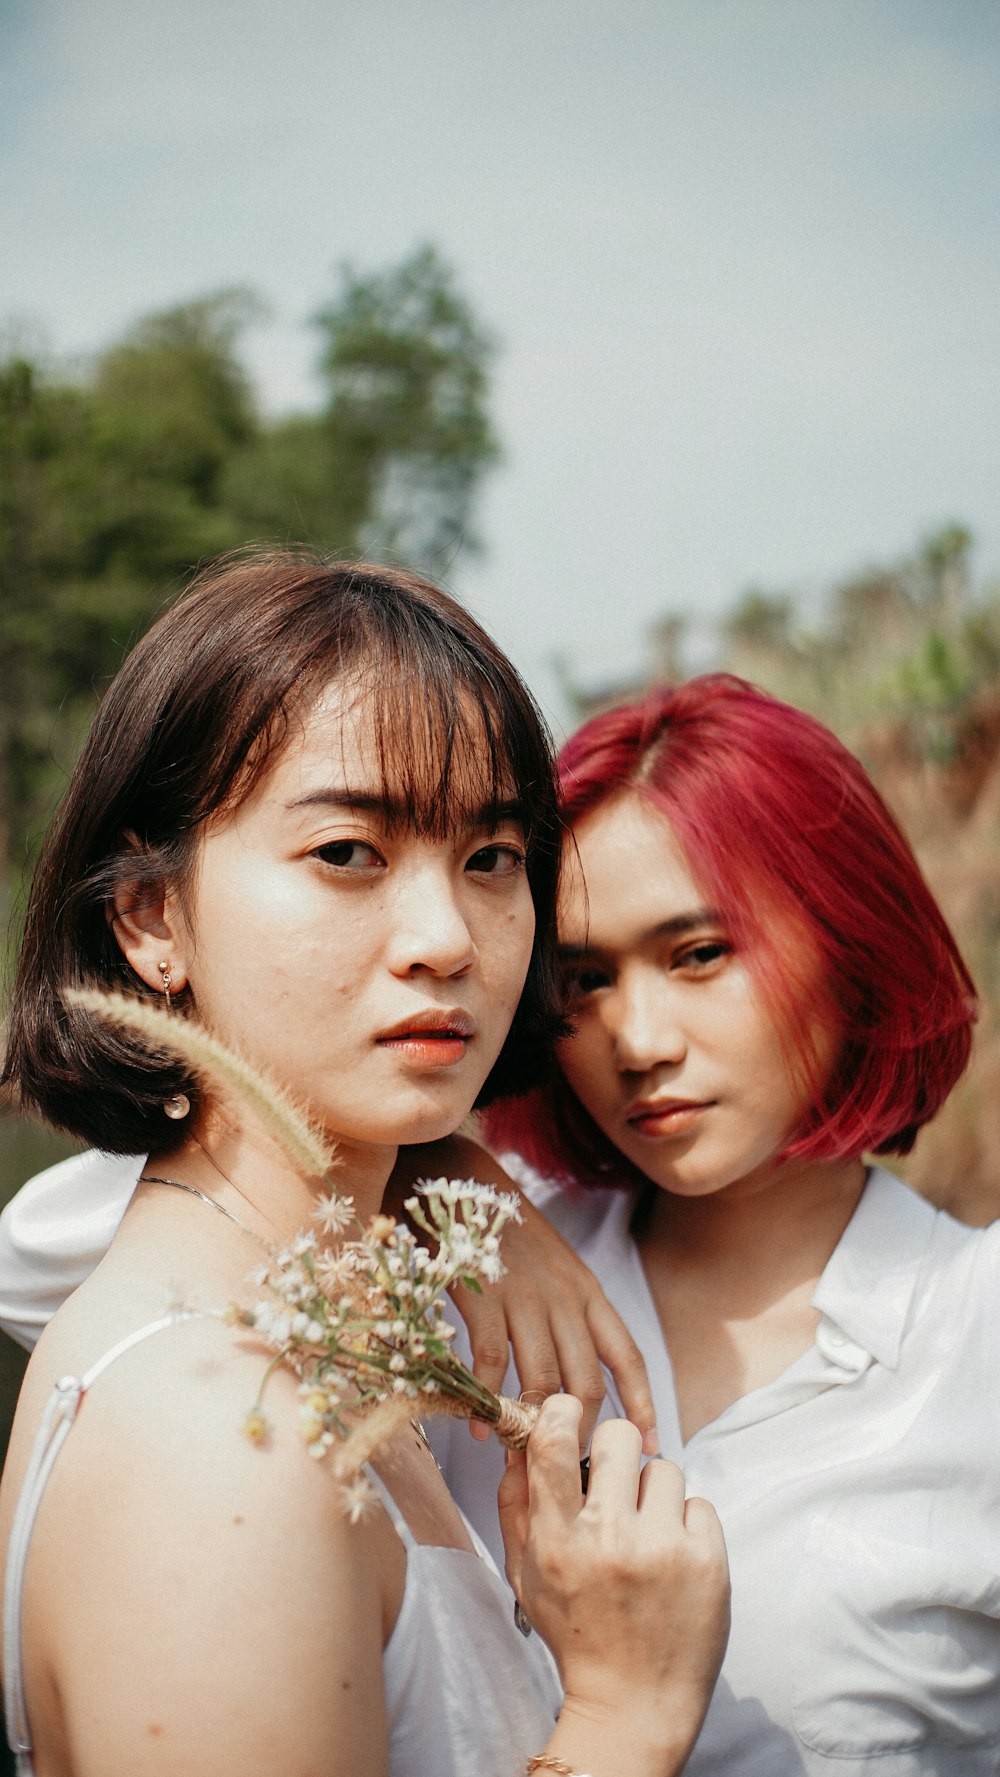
(741, 256)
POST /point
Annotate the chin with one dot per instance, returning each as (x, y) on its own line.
(694, 1187)
(693, 1184)
(429, 1122)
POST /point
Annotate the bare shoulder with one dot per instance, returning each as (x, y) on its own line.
(171, 1412)
(176, 1560)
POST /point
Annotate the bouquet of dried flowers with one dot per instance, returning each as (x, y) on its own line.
(361, 1322)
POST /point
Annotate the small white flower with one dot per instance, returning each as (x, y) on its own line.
(310, 1425)
(358, 1497)
(334, 1213)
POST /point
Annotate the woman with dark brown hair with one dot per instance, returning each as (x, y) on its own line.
(316, 811)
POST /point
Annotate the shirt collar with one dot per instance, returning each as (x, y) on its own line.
(868, 1285)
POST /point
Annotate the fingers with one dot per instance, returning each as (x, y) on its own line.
(541, 1483)
(536, 1355)
(661, 1489)
(618, 1351)
(558, 1354)
(661, 1492)
(486, 1320)
(548, 1356)
(512, 1505)
(615, 1462)
(554, 1461)
(701, 1521)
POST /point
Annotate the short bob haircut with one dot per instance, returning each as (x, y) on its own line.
(788, 838)
(195, 716)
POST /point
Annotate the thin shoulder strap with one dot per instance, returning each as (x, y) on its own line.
(60, 1411)
(395, 1516)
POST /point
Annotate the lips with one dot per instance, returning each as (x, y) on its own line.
(665, 1116)
(430, 1025)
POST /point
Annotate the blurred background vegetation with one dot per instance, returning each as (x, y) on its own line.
(117, 477)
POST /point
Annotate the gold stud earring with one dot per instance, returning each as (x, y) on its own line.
(164, 969)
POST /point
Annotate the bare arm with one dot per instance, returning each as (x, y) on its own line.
(548, 1310)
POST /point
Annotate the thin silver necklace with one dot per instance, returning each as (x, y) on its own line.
(178, 1184)
(153, 1178)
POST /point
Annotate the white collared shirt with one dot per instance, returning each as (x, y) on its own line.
(859, 1494)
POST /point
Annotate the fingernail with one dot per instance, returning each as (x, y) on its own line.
(651, 1442)
(479, 1429)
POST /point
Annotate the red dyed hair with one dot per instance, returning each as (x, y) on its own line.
(785, 834)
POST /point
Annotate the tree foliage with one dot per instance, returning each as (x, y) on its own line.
(115, 482)
(406, 367)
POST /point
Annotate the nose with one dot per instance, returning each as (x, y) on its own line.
(643, 1022)
(430, 930)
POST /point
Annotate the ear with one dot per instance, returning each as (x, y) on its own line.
(149, 924)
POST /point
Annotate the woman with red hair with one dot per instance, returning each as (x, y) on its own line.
(762, 991)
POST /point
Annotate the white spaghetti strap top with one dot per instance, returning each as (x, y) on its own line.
(464, 1691)
(60, 1411)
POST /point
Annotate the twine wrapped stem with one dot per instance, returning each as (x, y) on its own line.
(511, 1420)
(514, 1423)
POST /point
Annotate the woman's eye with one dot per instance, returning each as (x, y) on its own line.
(496, 860)
(350, 854)
(702, 956)
(578, 983)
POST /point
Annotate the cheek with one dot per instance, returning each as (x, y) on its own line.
(505, 949)
(585, 1063)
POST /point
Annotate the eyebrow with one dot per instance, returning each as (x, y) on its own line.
(392, 812)
(674, 927)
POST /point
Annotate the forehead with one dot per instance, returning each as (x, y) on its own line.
(624, 873)
(430, 769)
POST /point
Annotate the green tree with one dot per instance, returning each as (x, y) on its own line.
(406, 365)
(113, 485)
(108, 491)
(391, 465)
(942, 570)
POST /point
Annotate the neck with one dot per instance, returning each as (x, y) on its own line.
(789, 1218)
(243, 1169)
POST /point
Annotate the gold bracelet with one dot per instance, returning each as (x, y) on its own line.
(546, 1762)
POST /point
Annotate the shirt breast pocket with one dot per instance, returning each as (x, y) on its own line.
(897, 1645)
